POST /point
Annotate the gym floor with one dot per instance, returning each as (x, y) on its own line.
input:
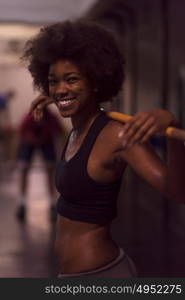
(26, 248)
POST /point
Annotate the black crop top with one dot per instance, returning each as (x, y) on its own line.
(82, 198)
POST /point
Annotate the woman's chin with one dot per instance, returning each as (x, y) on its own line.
(66, 114)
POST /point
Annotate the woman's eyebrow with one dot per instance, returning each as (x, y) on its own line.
(72, 73)
(65, 74)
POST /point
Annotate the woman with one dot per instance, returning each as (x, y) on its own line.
(77, 66)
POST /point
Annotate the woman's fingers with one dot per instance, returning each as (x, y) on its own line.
(152, 131)
(134, 123)
(144, 131)
(40, 101)
(38, 105)
(37, 113)
(137, 129)
(141, 137)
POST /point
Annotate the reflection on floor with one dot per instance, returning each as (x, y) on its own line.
(26, 249)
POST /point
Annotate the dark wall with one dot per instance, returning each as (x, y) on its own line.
(149, 227)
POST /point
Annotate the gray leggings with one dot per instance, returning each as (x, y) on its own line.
(121, 267)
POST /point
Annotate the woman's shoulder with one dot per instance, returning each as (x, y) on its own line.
(115, 127)
(113, 133)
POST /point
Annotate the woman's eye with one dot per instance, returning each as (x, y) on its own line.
(72, 79)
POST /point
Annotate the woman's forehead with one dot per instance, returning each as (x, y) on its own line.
(64, 66)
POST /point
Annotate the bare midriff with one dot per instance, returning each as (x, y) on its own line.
(83, 247)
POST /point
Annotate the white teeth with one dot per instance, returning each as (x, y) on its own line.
(64, 103)
(67, 101)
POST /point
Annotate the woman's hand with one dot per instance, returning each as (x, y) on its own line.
(143, 125)
(37, 106)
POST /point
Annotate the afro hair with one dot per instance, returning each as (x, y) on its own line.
(90, 46)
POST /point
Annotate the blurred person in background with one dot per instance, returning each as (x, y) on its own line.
(38, 136)
(77, 66)
(6, 129)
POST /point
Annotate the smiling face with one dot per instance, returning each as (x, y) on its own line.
(69, 88)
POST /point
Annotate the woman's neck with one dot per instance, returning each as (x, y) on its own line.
(83, 119)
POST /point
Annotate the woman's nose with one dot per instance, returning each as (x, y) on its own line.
(61, 88)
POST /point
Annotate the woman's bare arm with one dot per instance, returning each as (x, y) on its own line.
(148, 165)
(167, 178)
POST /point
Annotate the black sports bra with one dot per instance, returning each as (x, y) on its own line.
(82, 198)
